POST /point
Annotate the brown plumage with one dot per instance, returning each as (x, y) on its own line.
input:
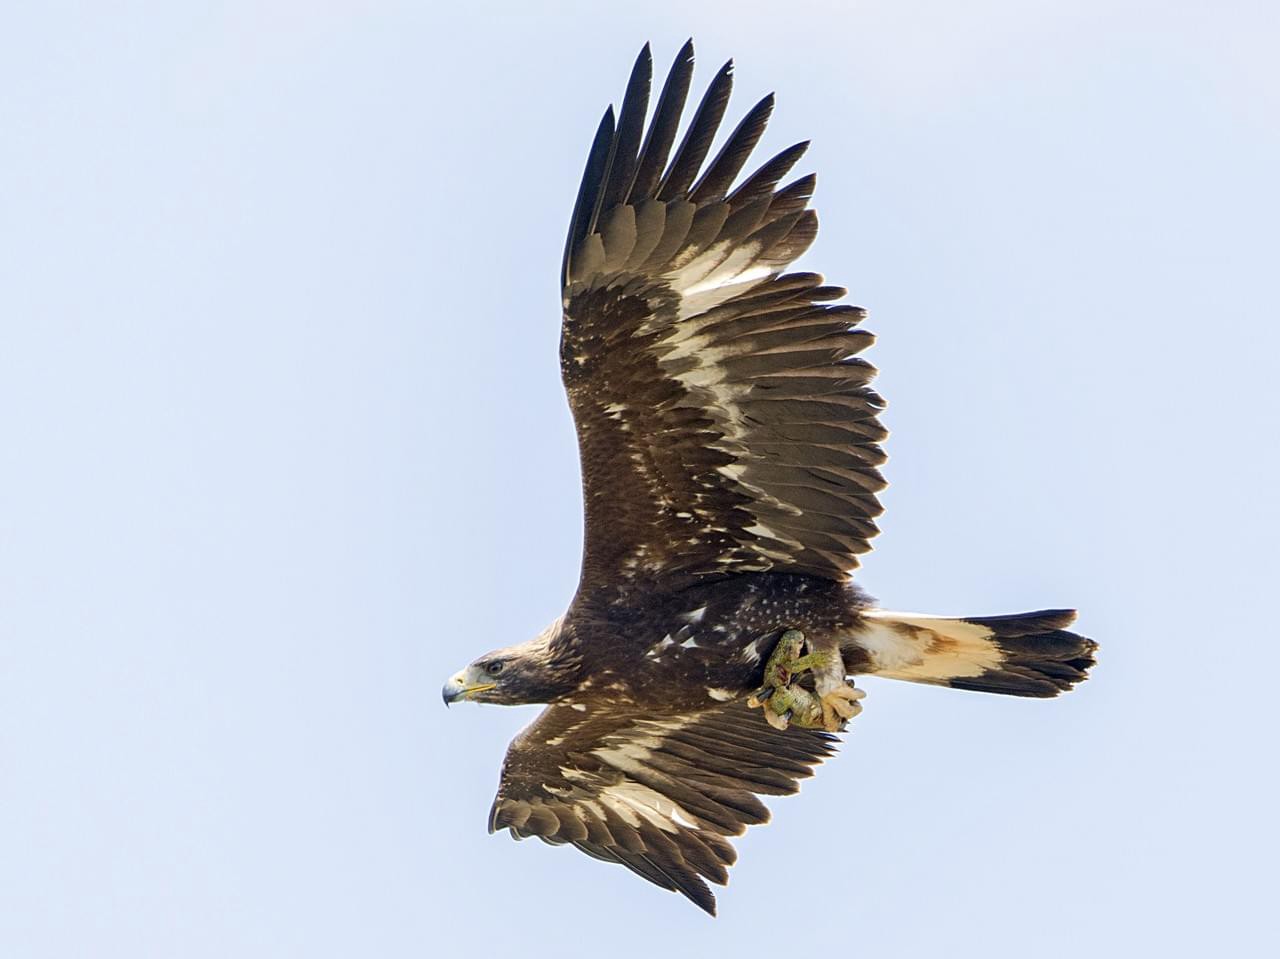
(730, 446)
(708, 763)
(733, 393)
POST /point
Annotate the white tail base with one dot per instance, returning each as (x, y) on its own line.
(926, 649)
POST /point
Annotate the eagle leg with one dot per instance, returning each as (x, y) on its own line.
(784, 703)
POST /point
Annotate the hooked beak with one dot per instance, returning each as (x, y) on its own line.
(458, 687)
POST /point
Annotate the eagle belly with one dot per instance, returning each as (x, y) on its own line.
(709, 644)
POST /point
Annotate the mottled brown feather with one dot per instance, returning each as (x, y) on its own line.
(563, 775)
(724, 422)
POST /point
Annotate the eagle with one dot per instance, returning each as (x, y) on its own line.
(730, 446)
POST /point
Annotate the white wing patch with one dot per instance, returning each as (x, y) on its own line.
(685, 342)
(719, 287)
(632, 800)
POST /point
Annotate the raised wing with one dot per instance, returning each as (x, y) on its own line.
(656, 793)
(723, 422)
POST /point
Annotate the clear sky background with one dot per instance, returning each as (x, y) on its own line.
(282, 445)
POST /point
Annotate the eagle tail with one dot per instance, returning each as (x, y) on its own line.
(1020, 654)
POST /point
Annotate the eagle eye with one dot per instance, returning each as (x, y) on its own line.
(494, 667)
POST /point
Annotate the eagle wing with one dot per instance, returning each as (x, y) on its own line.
(657, 793)
(724, 423)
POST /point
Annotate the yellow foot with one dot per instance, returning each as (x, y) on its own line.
(839, 706)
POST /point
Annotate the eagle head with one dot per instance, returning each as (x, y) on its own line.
(533, 672)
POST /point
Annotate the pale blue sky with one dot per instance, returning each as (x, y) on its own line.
(282, 444)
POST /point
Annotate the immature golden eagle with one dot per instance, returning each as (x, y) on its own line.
(730, 445)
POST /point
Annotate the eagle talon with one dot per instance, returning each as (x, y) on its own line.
(839, 706)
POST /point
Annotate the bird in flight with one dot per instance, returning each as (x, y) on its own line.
(730, 453)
